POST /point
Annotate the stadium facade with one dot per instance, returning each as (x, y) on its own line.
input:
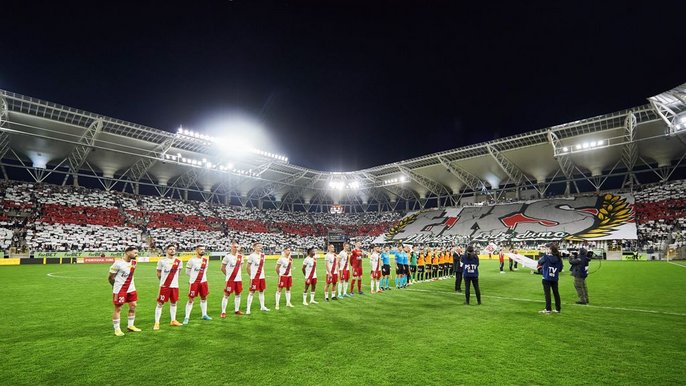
(47, 142)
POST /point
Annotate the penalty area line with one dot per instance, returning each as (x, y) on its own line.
(566, 304)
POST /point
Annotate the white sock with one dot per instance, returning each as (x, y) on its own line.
(326, 295)
(345, 288)
(278, 298)
(261, 296)
(158, 312)
(333, 293)
(304, 297)
(189, 309)
(372, 285)
(172, 311)
(250, 296)
(288, 297)
(225, 302)
(130, 321)
(378, 283)
(115, 324)
(203, 307)
(339, 288)
(312, 296)
(237, 303)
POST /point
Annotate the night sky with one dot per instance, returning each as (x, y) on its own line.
(343, 85)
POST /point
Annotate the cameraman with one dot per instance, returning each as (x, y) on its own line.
(579, 270)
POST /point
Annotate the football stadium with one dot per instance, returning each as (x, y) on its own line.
(131, 254)
(602, 184)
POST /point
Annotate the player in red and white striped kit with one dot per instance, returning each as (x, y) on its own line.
(331, 260)
(310, 272)
(343, 271)
(255, 269)
(124, 289)
(168, 272)
(375, 263)
(231, 268)
(284, 272)
(196, 268)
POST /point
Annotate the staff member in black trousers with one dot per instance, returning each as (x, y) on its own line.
(579, 268)
(457, 268)
(470, 270)
(551, 266)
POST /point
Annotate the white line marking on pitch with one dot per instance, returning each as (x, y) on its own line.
(567, 304)
(677, 264)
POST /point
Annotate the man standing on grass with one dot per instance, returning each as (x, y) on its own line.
(285, 281)
(331, 273)
(168, 272)
(386, 268)
(457, 263)
(375, 263)
(399, 267)
(310, 271)
(343, 271)
(196, 269)
(231, 268)
(356, 264)
(124, 289)
(579, 267)
(255, 269)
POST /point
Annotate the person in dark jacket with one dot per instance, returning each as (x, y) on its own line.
(579, 268)
(470, 271)
(457, 268)
(551, 266)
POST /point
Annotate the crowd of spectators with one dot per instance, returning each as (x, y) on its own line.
(42, 217)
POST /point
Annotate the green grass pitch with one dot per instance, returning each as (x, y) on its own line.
(56, 330)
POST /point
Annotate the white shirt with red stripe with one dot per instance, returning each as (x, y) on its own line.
(165, 265)
(343, 260)
(283, 264)
(230, 261)
(308, 263)
(194, 265)
(122, 270)
(330, 258)
(254, 261)
(374, 261)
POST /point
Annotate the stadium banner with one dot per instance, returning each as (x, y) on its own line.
(2, 254)
(523, 260)
(98, 260)
(10, 261)
(31, 261)
(42, 255)
(605, 217)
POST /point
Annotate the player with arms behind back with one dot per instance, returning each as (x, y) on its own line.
(231, 268)
(168, 272)
(284, 272)
(343, 271)
(196, 269)
(124, 289)
(310, 272)
(331, 273)
(375, 262)
(255, 269)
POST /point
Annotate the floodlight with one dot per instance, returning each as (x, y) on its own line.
(565, 149)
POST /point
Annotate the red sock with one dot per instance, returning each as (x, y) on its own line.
(359, 285)
(352, 285)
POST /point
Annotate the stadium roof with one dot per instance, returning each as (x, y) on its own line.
(48, 140)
